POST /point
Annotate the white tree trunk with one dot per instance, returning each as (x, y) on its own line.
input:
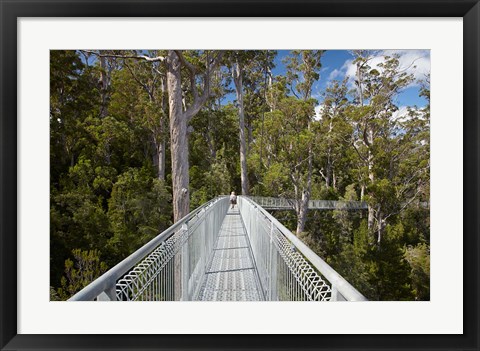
(371, 176)
(179, 140)
(302, 212)
(161, 160)
(162, 145)
(237, 75)
(381, 226)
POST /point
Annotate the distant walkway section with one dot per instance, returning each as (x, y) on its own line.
(274, 203)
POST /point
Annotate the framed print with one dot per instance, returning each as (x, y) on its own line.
(155, 112)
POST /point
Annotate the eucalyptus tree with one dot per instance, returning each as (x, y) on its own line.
(288, 144)
(181, 114)
(153, 80)
(303, 69)
(185, 99)
(378, 138)
(257, 82)
(334, 132)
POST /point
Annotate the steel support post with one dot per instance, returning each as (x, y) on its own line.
(109, 294)
(185, 264)
(336, 296)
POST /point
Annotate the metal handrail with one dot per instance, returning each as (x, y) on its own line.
(106, 283)
(341, 288)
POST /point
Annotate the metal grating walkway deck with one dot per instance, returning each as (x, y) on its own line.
(231, 273)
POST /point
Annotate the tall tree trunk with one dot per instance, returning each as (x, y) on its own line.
(371, 209)
(178, 137)
(179, 150)
(269, 86)
(381, 225)
(328, 176)
(161, 155)
(104, 82)
(162, 144)
(298, 202)
(237, 75)
(104, 106)
(302, 212)
(371, 176)
(359, 80)
(334, 180)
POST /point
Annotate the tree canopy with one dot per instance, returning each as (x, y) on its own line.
(139, 138)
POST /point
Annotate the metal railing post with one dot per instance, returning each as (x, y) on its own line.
(109, 294)
(185, 265)
(336, 296)
(273, 268)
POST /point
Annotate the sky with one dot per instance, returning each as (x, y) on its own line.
(336, 64)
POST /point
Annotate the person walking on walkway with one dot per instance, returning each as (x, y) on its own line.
(233, 199)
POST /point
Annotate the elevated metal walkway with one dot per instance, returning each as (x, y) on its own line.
(221, 254)
(231, 274)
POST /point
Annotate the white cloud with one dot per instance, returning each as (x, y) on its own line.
(416, 62)
(401, 115)
(349, 68)
(318, 112)
(334, 74)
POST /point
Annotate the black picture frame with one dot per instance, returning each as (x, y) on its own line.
(11, 10)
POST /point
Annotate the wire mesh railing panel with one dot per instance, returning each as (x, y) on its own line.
(284, 274)
(153, 278)
(288, 270)
(305, 283)
(190, 247)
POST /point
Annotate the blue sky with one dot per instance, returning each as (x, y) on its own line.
(336, 64)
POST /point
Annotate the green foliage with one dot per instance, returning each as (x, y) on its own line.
(85, 268)
(287, 141)
(92, 156)
(418, 257)
(215, 182)
(138, 210)
(305, 63)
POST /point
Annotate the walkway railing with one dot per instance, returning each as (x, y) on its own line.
(169, 267)
(287, 268)
(273, 203)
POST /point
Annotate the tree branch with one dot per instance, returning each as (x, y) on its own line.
(193, 70)
(358, 152)
(142, 84)
(136, 57)
(200, 100)
(404, 206)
